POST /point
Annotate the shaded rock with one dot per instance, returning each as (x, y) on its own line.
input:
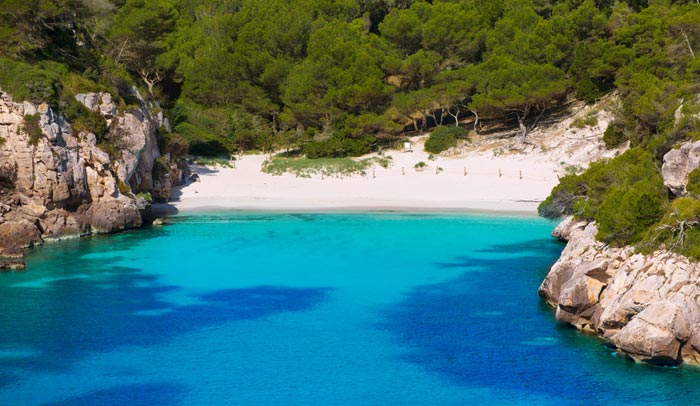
(14, 236)
(113, 215)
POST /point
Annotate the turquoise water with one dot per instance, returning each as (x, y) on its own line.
(359, 309)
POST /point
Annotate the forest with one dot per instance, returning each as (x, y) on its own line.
(334, 78)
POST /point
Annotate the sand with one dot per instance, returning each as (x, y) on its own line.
(513, 183)
(499, 177)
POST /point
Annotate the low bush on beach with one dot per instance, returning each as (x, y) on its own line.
(443, 138)
(334, 167)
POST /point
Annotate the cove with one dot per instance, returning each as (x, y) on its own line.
(299, 308)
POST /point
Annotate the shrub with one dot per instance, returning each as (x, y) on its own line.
(83, 119)
(33, 128)
(28, 82)
(614, 136)
(420, 165)
(171, 143)
(693, 186)
(627, 212)
(441, 139)
(678, 230)
(336, 147)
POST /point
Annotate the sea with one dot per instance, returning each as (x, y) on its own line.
(245, 308)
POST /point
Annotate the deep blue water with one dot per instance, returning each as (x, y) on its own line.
(321, 309)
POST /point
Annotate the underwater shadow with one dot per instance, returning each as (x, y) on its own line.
(487, 327)
(136, 394)
(68, 319)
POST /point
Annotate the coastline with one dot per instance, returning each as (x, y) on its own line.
(510, 184)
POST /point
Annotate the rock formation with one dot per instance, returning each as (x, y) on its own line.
(58, 183)
(646, 306)
(678, 163)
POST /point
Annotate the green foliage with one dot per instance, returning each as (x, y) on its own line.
(442, 139)
(83, 119)
(693, 186)
(335, 167)
(627, 212)
(678, 230)
(213, 161)
(28, 82)
(614, 136)
(589, 121)
(123, 187)
(336, 147)
(582, 195)
(420, 165)
(32, 128)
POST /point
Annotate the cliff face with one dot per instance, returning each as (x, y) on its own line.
(60, 184)
(646, 306)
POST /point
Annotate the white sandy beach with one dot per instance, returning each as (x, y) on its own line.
(496, 179)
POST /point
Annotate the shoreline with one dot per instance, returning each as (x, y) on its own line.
(468, 182)
(166, 209)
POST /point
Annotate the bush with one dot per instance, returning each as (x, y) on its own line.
(582, 195)
(678, 230)
(28, 82)
(171, 143)
(627, 212)
(336, 147)
(83, 119)
(693, 186)
(441, 139)
(33, 128)
(614, 136)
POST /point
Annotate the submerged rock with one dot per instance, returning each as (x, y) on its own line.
(646, 306)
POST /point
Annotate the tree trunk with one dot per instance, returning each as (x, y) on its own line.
(523, 129)
(455, 116)
(476, 121)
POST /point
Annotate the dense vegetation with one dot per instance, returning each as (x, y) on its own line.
(335, 78)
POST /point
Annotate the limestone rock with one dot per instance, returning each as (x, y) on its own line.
(112, 215)
(678, 163)
(64, 185)
(647, 306)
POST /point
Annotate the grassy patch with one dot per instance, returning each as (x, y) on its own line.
(213, 161)
(334, 167)
(590, 120)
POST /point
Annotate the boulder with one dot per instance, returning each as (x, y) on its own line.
(678, 163)
(108, 216)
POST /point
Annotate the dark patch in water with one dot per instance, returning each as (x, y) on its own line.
(476, 330)
(160, 393)
(71, 318)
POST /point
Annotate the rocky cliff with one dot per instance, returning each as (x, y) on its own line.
(58, 183)
(646, 306)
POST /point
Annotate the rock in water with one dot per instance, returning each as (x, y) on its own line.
(62, 184)
(645, 305)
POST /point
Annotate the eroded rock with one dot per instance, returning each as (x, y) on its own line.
(647, 306)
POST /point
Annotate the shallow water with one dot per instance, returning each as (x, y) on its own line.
(246, 308)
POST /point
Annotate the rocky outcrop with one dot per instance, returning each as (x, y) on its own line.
(55, 183)
(678, 163)
(646, 306)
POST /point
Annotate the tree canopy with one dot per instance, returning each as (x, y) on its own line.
(240, 74)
